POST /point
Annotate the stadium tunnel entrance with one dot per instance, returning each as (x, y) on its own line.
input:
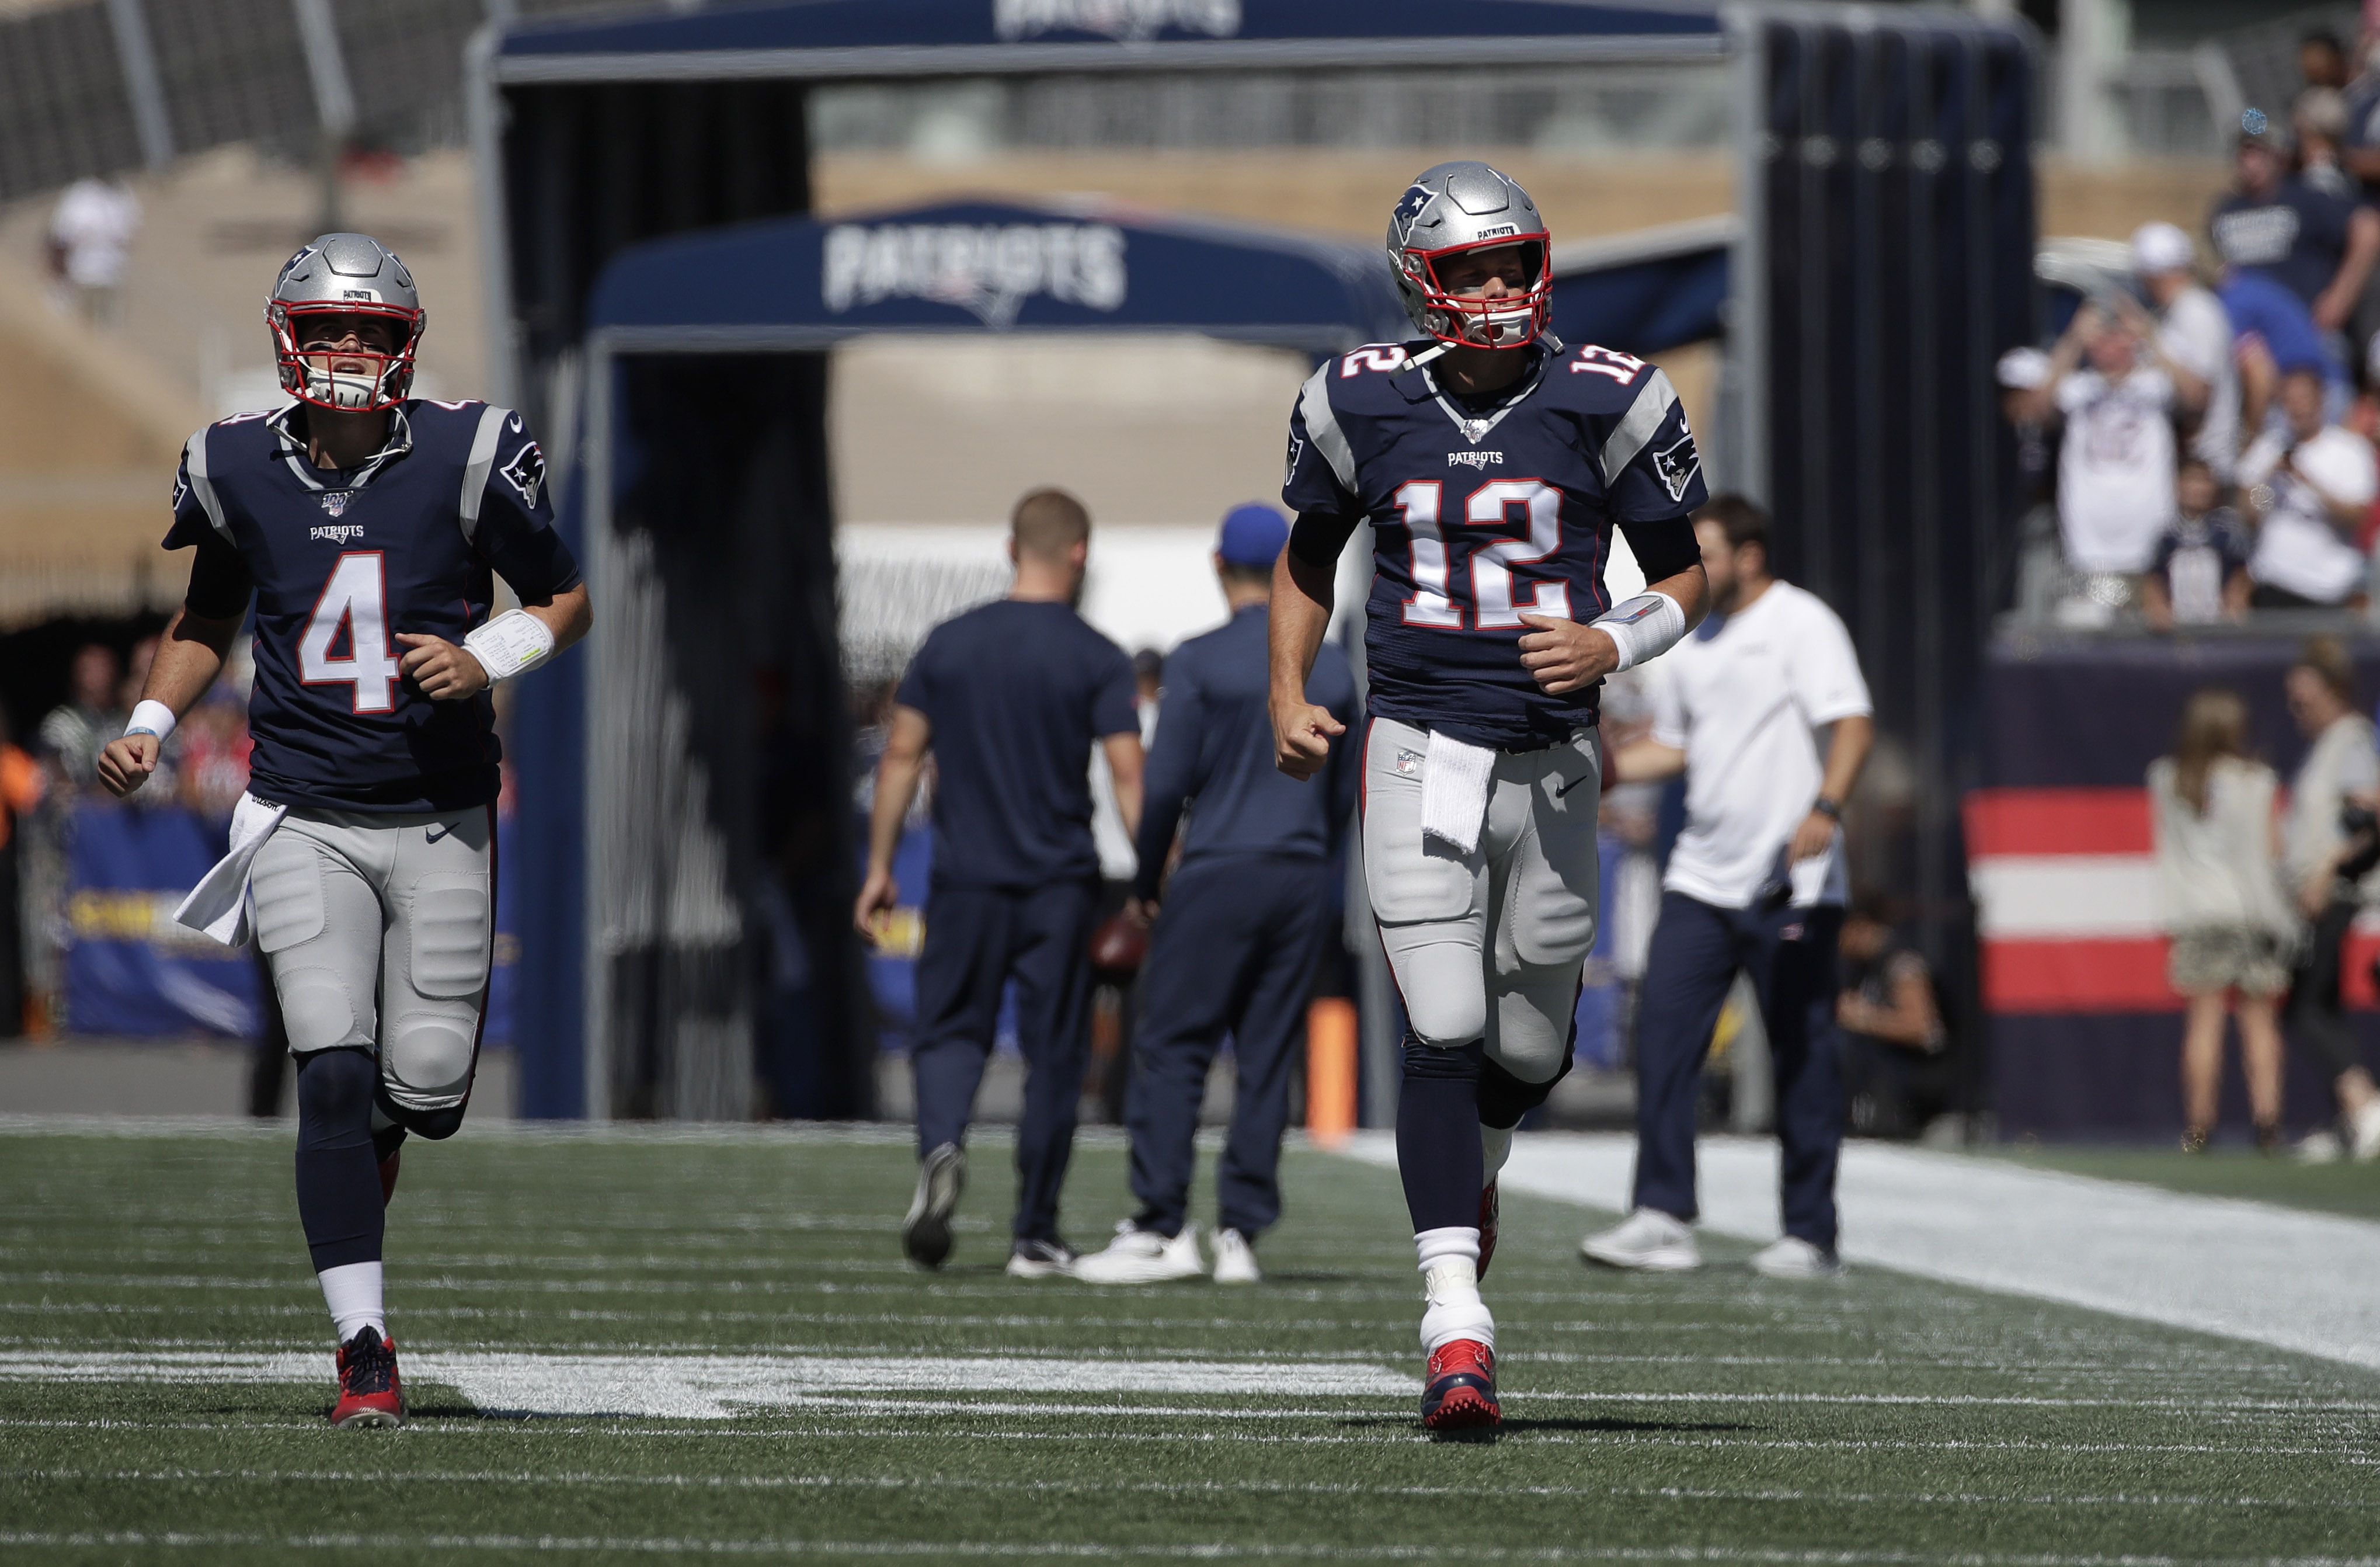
(698, 863)
(1880, 262)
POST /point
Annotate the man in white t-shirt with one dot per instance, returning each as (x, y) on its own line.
(2307, 488)
(2115, 460)
(1756, 883)
(2195, 331)
(91, 231)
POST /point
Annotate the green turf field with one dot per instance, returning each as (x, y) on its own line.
(2350, 1189)
(1708, 1417)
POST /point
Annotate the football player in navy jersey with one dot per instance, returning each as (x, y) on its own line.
(367, 528)
(1493, 464)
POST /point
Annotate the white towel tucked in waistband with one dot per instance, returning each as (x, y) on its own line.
(218, 905)
(1454, 783)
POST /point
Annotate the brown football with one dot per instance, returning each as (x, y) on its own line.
(1118, 947)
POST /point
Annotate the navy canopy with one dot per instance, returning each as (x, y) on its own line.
(755, 31)
(1092, 266)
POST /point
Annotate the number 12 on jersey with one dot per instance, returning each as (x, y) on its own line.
(357, 595)
(1491, 564)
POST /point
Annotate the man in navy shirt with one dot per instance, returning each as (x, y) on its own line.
(1010, 697)
(1244, 922)
(1495, 465)
(366, 526)
(2319, 246)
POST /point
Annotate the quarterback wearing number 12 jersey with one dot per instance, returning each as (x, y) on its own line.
(342, 560)
(1495, 465)
(1484, 513)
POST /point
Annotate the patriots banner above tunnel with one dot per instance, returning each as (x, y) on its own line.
(2084, 1024)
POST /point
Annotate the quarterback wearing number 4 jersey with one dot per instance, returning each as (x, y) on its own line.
(368, 529)
(1494, 465)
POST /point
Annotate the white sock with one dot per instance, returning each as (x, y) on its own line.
(1495, 1147)
(1450, 1273)
(352, 1291)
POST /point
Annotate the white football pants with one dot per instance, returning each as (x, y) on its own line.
(1489, 945)
(378, 930)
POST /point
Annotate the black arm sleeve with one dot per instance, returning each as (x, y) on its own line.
(1663, 548)
(1318, 537)
(219, 581)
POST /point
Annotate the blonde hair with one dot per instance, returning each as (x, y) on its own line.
(2214, 725)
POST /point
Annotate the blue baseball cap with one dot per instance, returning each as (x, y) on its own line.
(1252, 535)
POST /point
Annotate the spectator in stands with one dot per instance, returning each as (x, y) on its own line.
(91, 231)
(2115, 460)
(22, 786)
(2306, 487)
(1894, 1049)
(2200, 573)
(2318, 246)
(2340, 770)
(2231, 926)
(75, 730)
(2322, 59)
(2195, 331)
(2274, 334)
(2319, 119)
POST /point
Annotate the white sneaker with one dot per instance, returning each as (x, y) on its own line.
(1142, 1256)
(2363, 1133)
(1794, 1257)
(1235, 1260)
(1648, 1241)
(2320, 1148)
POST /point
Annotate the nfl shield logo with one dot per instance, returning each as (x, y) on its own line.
(335, 501)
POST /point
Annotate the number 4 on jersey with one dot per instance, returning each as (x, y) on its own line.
(357, 595)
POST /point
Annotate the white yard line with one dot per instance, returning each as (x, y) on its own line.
(2309, 1282)
(711, 1387)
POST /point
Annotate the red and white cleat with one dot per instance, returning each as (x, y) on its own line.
(368, 1391)
(1491, 1210)
(1461, 1393)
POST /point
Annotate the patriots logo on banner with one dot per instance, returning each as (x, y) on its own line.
(1677, 465)
(525, 472)
(335, 501)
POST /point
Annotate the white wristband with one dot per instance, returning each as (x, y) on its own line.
(513, 643)
(1645, 628)
(152, 718)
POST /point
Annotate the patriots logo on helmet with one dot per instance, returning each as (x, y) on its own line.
(525, 472)
(1677, 465)
(1417, 197)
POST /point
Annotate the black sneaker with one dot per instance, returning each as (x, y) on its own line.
(926, 1233)
(1041, 1260)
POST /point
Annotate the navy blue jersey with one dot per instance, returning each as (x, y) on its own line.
(1017, 691)
(341, 561)
(1483, 513)
(1213, 756)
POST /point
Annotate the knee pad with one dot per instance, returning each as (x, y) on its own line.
(1504, 1098)
(318, 1014)
(426, 1061)
(1451, 1062)
(334, 1099)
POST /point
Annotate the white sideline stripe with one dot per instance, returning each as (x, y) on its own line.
(711, 1387)
(2027, 895)
(378, 1541)
(2307, 1282)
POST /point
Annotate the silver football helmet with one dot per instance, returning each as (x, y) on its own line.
(344, 275)
(1468, 206)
